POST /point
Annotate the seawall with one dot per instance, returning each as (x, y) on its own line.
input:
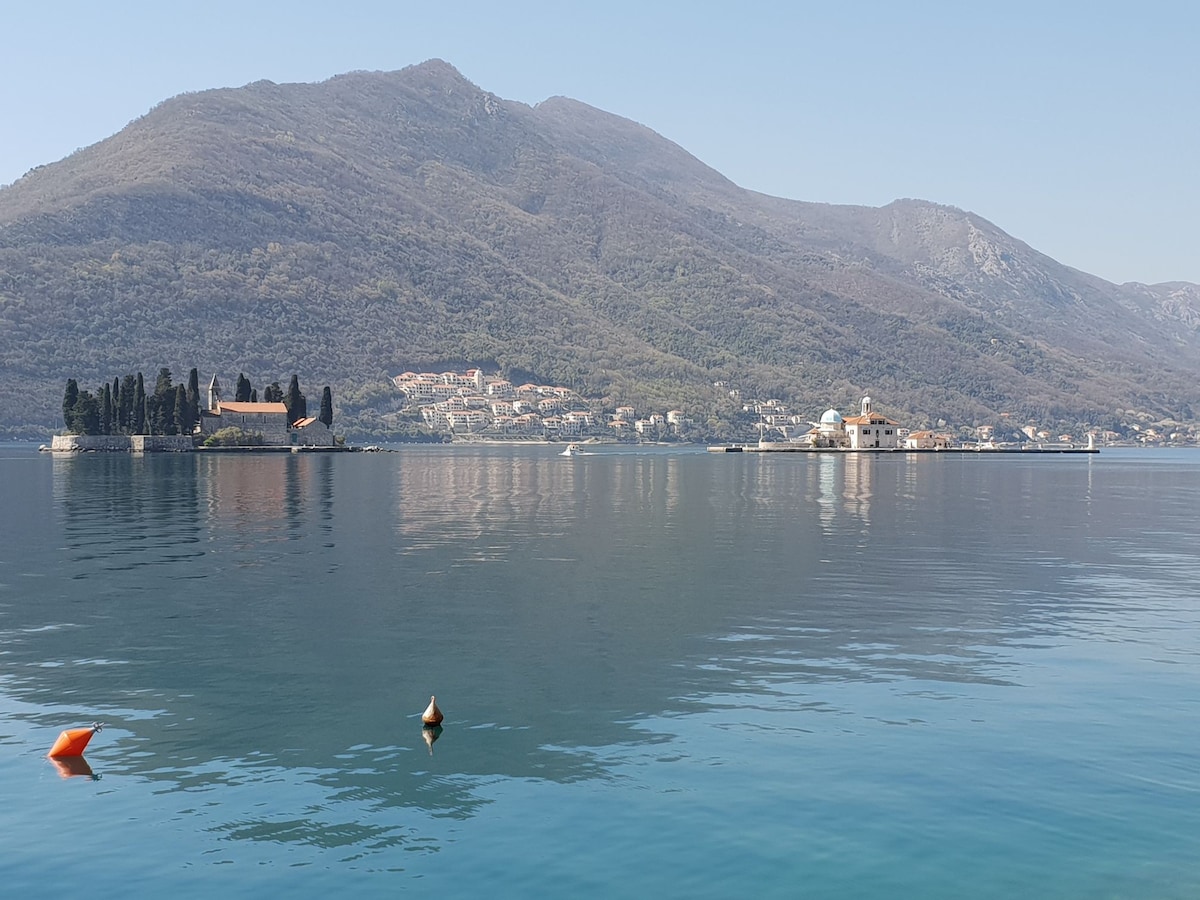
(135, 443)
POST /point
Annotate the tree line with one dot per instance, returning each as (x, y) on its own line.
(125, 407)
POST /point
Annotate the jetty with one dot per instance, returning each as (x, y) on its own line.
(783, 447)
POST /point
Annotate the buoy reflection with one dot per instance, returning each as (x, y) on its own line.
(71, 766)
(431, 733)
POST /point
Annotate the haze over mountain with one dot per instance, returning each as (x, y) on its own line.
(378, 222)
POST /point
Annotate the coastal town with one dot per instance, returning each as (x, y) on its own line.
(471, 405)
(475, 406)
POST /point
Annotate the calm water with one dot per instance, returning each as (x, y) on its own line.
(668, 674)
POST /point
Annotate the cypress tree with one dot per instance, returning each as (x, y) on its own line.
(125, 406)
(326, 415)
(183, 411)
(296, 405)
(160, 407)
(193, 398)
(273, 393)
(254, 395)
(163, 385)
(114, 402)
(164, 412)
(87, 414)
(242, 395)
(137, 424)
(150, 416)
(105, 404)
(70, 400)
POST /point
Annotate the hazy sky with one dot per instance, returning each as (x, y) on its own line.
(1074, 126)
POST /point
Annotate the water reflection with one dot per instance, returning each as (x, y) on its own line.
(252, 493)
(123, 511)
(843, 489)
(430, 734)
(267, 628)
(73, 767)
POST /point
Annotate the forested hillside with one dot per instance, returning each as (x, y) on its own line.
(379, 222)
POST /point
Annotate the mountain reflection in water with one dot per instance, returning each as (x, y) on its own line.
(257, 624)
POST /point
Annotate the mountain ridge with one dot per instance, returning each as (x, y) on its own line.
(418, 218)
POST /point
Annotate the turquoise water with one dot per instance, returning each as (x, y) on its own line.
(666, 673)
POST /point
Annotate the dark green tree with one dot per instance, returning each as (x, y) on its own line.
(193, 398)
(242, 395)
(254, 396)
(114, 401)
(164, 413)
(137, 424)
(326, 415)
(273, 393)
(87, 414)
(297, 406)
(125, 414)
(163, 384)
(183, 411)
(105, 404)
(70, 401)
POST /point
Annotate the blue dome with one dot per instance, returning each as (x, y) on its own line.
(831, 417)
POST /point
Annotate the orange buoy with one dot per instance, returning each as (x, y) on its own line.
(432, 715)
(73, 741)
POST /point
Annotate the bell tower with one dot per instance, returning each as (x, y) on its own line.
(214, 395)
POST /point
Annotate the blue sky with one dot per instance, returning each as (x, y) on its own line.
(1073, 126)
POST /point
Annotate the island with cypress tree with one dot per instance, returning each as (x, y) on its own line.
(123, 415)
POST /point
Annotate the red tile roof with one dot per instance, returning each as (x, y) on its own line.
(248, 408)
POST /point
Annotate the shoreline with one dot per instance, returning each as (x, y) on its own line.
(734, 448)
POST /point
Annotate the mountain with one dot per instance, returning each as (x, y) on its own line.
(378, 222)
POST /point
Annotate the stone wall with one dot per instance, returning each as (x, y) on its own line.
(314, 434)
(273, 428)
(74, 443)
(138, 443)
(160, 443)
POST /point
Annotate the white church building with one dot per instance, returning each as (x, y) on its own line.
(868, 430)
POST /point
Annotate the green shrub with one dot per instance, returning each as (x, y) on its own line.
(235, 437)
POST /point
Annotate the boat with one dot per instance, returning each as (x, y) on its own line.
(572, 450)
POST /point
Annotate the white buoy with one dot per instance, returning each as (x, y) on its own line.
(432, 715)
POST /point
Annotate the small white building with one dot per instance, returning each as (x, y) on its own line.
(927, 440)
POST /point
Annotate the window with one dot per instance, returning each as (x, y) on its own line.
(887, 431)
(866, 431)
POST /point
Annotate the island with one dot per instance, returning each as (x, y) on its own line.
(123, 416)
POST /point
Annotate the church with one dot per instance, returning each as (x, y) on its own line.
(868, 430)
(267, 419)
